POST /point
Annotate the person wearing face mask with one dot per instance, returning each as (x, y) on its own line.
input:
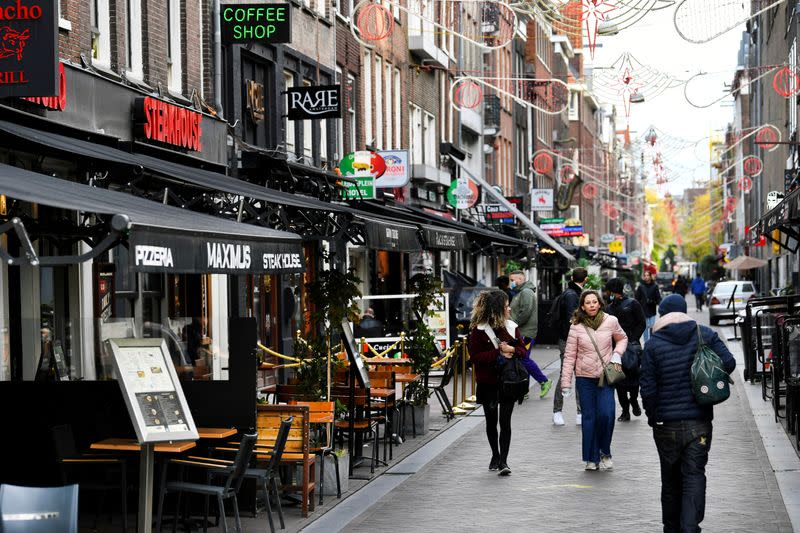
(595, 339)
(524, 311)
(631, 317)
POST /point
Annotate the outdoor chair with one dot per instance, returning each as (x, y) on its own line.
(322, 450)
(38, 509)
(440, 388)
(386, 408)
(362, 424)
(234, 472)
(93, 472)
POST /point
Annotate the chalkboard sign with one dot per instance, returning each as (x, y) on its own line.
(152, 392)
(354, 354)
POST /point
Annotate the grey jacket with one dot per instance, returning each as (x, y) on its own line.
(525, 310)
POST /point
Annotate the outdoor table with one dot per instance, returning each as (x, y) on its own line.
(132, 445)
(216, 433)
(388, 361)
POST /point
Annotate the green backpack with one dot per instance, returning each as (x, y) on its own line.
(710, 382)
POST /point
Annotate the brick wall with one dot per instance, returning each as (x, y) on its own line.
(117, 10)
(154, 42)
(348, 57)
(79, 39)
(192, 46)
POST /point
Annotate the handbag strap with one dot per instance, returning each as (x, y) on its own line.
(596, 349)
(700, 341)
(492, 336)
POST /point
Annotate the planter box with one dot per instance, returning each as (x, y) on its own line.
(422, 416)
(329, 486)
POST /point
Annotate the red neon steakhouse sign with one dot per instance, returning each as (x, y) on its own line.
(167, 123)
(56, 103)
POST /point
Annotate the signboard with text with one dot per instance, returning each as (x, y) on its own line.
(542, 200)
(165, 123)
(314, 102)
(256, 23)
(363, 189)
(559, 227)
(397, 173)
(499, 214)
(28, 48)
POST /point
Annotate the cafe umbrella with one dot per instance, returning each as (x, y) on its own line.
(745, 262)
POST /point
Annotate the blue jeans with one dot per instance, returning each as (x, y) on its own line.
(597, 406)
(649, 321)
(683, 451)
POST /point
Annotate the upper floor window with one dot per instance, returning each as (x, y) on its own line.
(174, 61)
(101, 33)
(133, 31)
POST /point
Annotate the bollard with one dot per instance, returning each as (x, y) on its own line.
(465, 404)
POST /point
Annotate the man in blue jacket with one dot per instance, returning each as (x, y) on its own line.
(699, 290)
(681, 427)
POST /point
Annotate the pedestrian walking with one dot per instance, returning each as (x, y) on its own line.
(649, 296)
(568, 303)
(681, 287)
(493, 336)
(681, 427)
(504, 284)
(699, 290)
(631, 318)
(524, 311)
(595, 339)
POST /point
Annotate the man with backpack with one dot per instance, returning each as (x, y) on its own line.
(559, 319)
(681, 426)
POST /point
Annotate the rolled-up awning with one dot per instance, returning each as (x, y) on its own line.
(161, 238)
(383, 234)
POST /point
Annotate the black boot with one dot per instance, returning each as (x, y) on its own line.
(637, 411)
(624, 417)
(504, 469)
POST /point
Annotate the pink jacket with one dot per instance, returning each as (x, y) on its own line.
(580, 356)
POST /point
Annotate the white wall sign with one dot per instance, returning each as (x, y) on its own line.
(542, 200)
(397, 174)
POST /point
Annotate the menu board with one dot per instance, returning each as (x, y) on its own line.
(354, 354)
(152, 390)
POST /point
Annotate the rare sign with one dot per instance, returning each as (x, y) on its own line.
(28, 48)
(316, 102)
(165, 123)
(255, 23)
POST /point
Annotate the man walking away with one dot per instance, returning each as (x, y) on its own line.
(569, 303)
(699, 291)
(648, 296)
(681, 427)
(525, 312)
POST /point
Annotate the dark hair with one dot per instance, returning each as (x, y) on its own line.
(489, 308)
(502, 282)
(579, 275)
(615, 285)
(580, 315)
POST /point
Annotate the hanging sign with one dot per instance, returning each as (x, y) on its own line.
(315, 102)
(498, 213)
(255, 23)
(616, 247)
(542, 200)
(363, 167)
(28, 48)
(397, 174)
(162, 122)
(606, 238)
(462, 194)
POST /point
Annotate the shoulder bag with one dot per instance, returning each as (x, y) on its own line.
(610, 375)
(710, 382)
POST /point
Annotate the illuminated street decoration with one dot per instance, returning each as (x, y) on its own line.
(700, 21)
(550, 96)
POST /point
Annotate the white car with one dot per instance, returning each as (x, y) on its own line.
(720, 304)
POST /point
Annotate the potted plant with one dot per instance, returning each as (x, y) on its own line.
(342, 457)
(421, 346)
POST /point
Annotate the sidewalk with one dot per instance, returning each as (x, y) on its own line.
(454, 491)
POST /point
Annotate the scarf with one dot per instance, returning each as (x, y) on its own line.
(594, 322)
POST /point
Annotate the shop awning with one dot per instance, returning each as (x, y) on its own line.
(438, 238)
(383, 234)
(161, 238)
(784, 217)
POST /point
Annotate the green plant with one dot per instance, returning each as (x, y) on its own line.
(511, 266)
(421, 345)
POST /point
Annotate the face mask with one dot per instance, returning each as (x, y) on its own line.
(513, 285)
(611, 297)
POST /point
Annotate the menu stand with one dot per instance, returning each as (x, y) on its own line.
(146, 469)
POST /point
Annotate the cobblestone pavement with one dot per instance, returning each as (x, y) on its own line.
(549, 490)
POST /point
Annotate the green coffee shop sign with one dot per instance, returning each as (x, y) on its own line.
(255, 23)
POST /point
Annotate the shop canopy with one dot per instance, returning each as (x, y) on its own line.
(160, 238)
(383, 234)
(785, 218)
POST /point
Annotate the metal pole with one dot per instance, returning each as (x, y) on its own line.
(147, 461)
(455, 377)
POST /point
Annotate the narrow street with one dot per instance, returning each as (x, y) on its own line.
(549, 489)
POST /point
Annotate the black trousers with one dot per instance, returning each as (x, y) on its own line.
(683, 451)
(496, 411)
(628, 395)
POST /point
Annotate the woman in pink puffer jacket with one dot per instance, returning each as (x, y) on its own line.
(581, 358)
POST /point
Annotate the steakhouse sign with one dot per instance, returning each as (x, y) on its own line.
(162, 122)
(28, 48)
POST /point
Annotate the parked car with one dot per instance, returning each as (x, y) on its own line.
(720, 305)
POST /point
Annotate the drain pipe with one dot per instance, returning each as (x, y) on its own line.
(217, 59)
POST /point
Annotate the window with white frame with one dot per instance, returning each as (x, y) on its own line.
(574, 105)
(388, 102)
(288, 81)
(521, 149)
(351, 111)
(429, 134)
(308, 140)
(101, 33)
(323, 140)
(415, 135)
(134, 34)
(378, 103)
(367, 76)
(321, 7)
(792, 108)
(542, 45)
(343, 122)
(397, 118)
(175, 68)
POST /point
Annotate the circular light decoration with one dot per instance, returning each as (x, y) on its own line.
(610, 211)
(629, 227)
(752, 166)
(745, 184)
(468, 94)
(375, 22)
(567, 174)
(786, 82)
(542, 163)
(589, 191)
(767, 137)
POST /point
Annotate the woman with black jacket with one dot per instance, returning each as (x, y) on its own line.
(631, 318)
(493, 337)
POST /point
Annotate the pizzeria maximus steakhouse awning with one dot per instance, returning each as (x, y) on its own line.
(160, 238)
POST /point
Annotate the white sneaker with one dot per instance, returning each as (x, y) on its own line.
(606, 463)
(578, 419)
(591, 466)
(558, 419)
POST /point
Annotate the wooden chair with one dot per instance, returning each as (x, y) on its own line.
(363, 423)
(386, 407)
(323, 413)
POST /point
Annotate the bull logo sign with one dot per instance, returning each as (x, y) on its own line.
(28, 48)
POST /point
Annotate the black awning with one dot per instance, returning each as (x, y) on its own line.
(784, 217)
(162, 238)
(206, 179)
(382, 234)
(438, 238)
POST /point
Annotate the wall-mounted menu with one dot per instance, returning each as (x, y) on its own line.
(152, 390)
